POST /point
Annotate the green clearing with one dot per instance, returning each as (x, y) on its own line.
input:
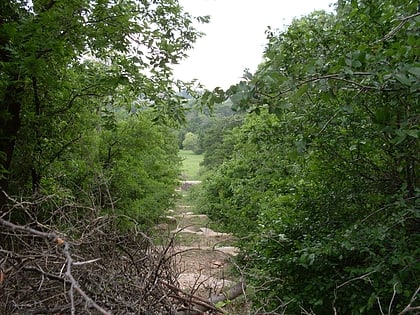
(190, 164)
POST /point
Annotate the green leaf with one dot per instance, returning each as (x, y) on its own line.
(412, 133)
(401, 136)
(301, 146)
(401, 77)
(286, 105)
(415, 71)
(348, 108)
(356, 64)
(302, 90)
(237, 98)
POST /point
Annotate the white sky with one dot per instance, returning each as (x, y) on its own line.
(235, 36)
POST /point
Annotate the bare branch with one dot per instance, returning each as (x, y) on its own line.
(396, 29)
(409, 307)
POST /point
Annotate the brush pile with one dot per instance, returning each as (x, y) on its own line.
(77, 262)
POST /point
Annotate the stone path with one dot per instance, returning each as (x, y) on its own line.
(204, 255)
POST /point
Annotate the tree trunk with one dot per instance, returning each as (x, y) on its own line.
(9, 126)
(10, 105)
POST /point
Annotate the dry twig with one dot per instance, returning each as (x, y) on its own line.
(88, 267)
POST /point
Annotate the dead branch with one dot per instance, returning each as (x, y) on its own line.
(88, 267)
(229, 295)
(69, 262)
(198, 305)
(76, 262)
(410, 308)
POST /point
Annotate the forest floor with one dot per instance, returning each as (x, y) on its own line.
(204, 257)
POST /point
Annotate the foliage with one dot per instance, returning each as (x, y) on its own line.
(234, 190)
(87, 159)
(324, 184)
(191, 142)
(84, 86)
(216, 146)
(141, 161)
(68, 67)
(200, 120)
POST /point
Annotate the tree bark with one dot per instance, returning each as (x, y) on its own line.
(10, 108)
(10, 105)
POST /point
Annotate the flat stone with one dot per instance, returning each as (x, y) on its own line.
(189, 280)
(168, 219)
(230, 250)
(193, 248)
(210, 233)
(182, 215)
(185, 230)
(191, 182)
(201, 216)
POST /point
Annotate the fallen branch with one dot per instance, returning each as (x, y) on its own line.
(229, 295)
(43, 270)
(69, 262)
(198, 305)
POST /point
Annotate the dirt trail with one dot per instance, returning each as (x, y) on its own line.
(204, 255)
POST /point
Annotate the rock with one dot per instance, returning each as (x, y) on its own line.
(210, 233)
(185, 230)
(184, 214)
(230, 250)
(185, 185)
(189, 280)
(168, 219)
(218, 263)
(190, 215)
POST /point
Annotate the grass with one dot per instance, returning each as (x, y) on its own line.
(190, 164)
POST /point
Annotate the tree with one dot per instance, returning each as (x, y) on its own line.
(190, 142)
(47, 81)
(87, 161)
(328, 195)
(141, 160)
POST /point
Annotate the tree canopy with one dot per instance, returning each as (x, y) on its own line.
(322, 184)
(88, 158)
(318, 177)
(69, 64)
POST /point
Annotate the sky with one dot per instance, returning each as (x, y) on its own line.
(235, 36)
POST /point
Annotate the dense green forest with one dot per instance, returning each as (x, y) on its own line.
(87, 100)
(88, 151)
(321, 181)
(312, 162)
